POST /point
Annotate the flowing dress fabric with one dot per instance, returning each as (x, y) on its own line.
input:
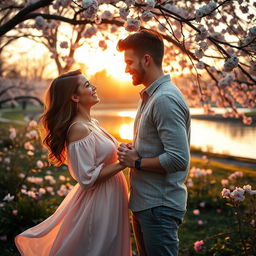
(93, 218)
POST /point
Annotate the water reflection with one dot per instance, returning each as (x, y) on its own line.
(227, 137)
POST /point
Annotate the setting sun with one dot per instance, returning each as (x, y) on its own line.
(126, 131)
(96, 60)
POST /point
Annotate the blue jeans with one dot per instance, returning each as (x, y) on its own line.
(155, 231)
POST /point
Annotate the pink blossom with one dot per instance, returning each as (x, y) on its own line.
(12, 133)
(39, 164)
(49, 189)
(224, 182)
(196, 212)
(21, 175)
(32, 134)
(30, 153)
(32, 194)
(62, 178)
(42, 191)
(200, 222)
(28, 146)
(50, 179)
(32, 124)
(225, 193)
(198, 245)
(237, 195)
(247, 188)
(15, 212)
(218, 210)
(235, 175)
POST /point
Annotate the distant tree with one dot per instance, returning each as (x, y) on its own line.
(212, 41)
(14, 90)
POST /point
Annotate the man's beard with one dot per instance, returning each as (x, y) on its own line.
(138, 75)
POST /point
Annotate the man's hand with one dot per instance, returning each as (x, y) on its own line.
(127, 155)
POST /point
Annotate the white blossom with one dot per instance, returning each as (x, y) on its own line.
(132, 25)
(176, 10)
(202, 34)
(13, 133)
(150, 4)
(8, 198)
(203, 45)
(237, 194)
(39, 164)
(200, 65)
(231, 63)
(205, 10)
(106, 15)
(64, 45)
(91, 8)
(32, 124)
(89, 32)
(225, 193)
(161, 27)
(227, 80)
(146, 16)
(247, 188)
(123, 12)
(129, 2)
(199, 53)
(253, 68)
(40, 22)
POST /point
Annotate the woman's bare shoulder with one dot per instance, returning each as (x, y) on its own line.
(78, 131)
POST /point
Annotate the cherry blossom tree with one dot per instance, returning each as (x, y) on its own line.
(211, 44)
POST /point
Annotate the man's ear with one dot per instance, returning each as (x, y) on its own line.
(75, 98)
(147, 60)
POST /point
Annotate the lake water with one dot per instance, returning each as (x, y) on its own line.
(232, 138)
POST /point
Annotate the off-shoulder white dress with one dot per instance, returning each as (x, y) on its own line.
(93, 218)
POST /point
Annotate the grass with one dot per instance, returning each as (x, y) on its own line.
(214, 222)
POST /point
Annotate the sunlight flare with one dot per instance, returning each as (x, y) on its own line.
(126, 131)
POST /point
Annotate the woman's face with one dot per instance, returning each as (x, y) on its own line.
(87, 92)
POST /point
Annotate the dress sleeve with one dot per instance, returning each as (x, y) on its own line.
(82, 161)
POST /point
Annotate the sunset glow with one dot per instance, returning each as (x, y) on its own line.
(126, 131)
(131, 114)
(96, 60)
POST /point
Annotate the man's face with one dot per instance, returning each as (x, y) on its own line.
(134, 66)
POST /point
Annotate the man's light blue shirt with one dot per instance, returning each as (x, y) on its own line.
(161, 129)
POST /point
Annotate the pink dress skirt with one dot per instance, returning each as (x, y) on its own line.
(93, 218)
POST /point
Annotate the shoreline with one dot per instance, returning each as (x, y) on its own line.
(236, 161)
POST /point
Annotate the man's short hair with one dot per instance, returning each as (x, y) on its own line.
(144, 42)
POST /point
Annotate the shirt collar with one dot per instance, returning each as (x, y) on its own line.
(151, 89)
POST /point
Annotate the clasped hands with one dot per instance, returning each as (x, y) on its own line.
(127, 155)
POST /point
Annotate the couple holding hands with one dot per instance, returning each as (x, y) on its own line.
(93, 219)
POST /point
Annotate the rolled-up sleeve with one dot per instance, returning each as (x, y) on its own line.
(170, 119)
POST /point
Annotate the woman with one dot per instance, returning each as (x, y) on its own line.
(93, 218)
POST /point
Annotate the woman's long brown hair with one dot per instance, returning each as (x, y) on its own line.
(59, 111)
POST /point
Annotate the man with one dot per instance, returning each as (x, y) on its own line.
(159, 157)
